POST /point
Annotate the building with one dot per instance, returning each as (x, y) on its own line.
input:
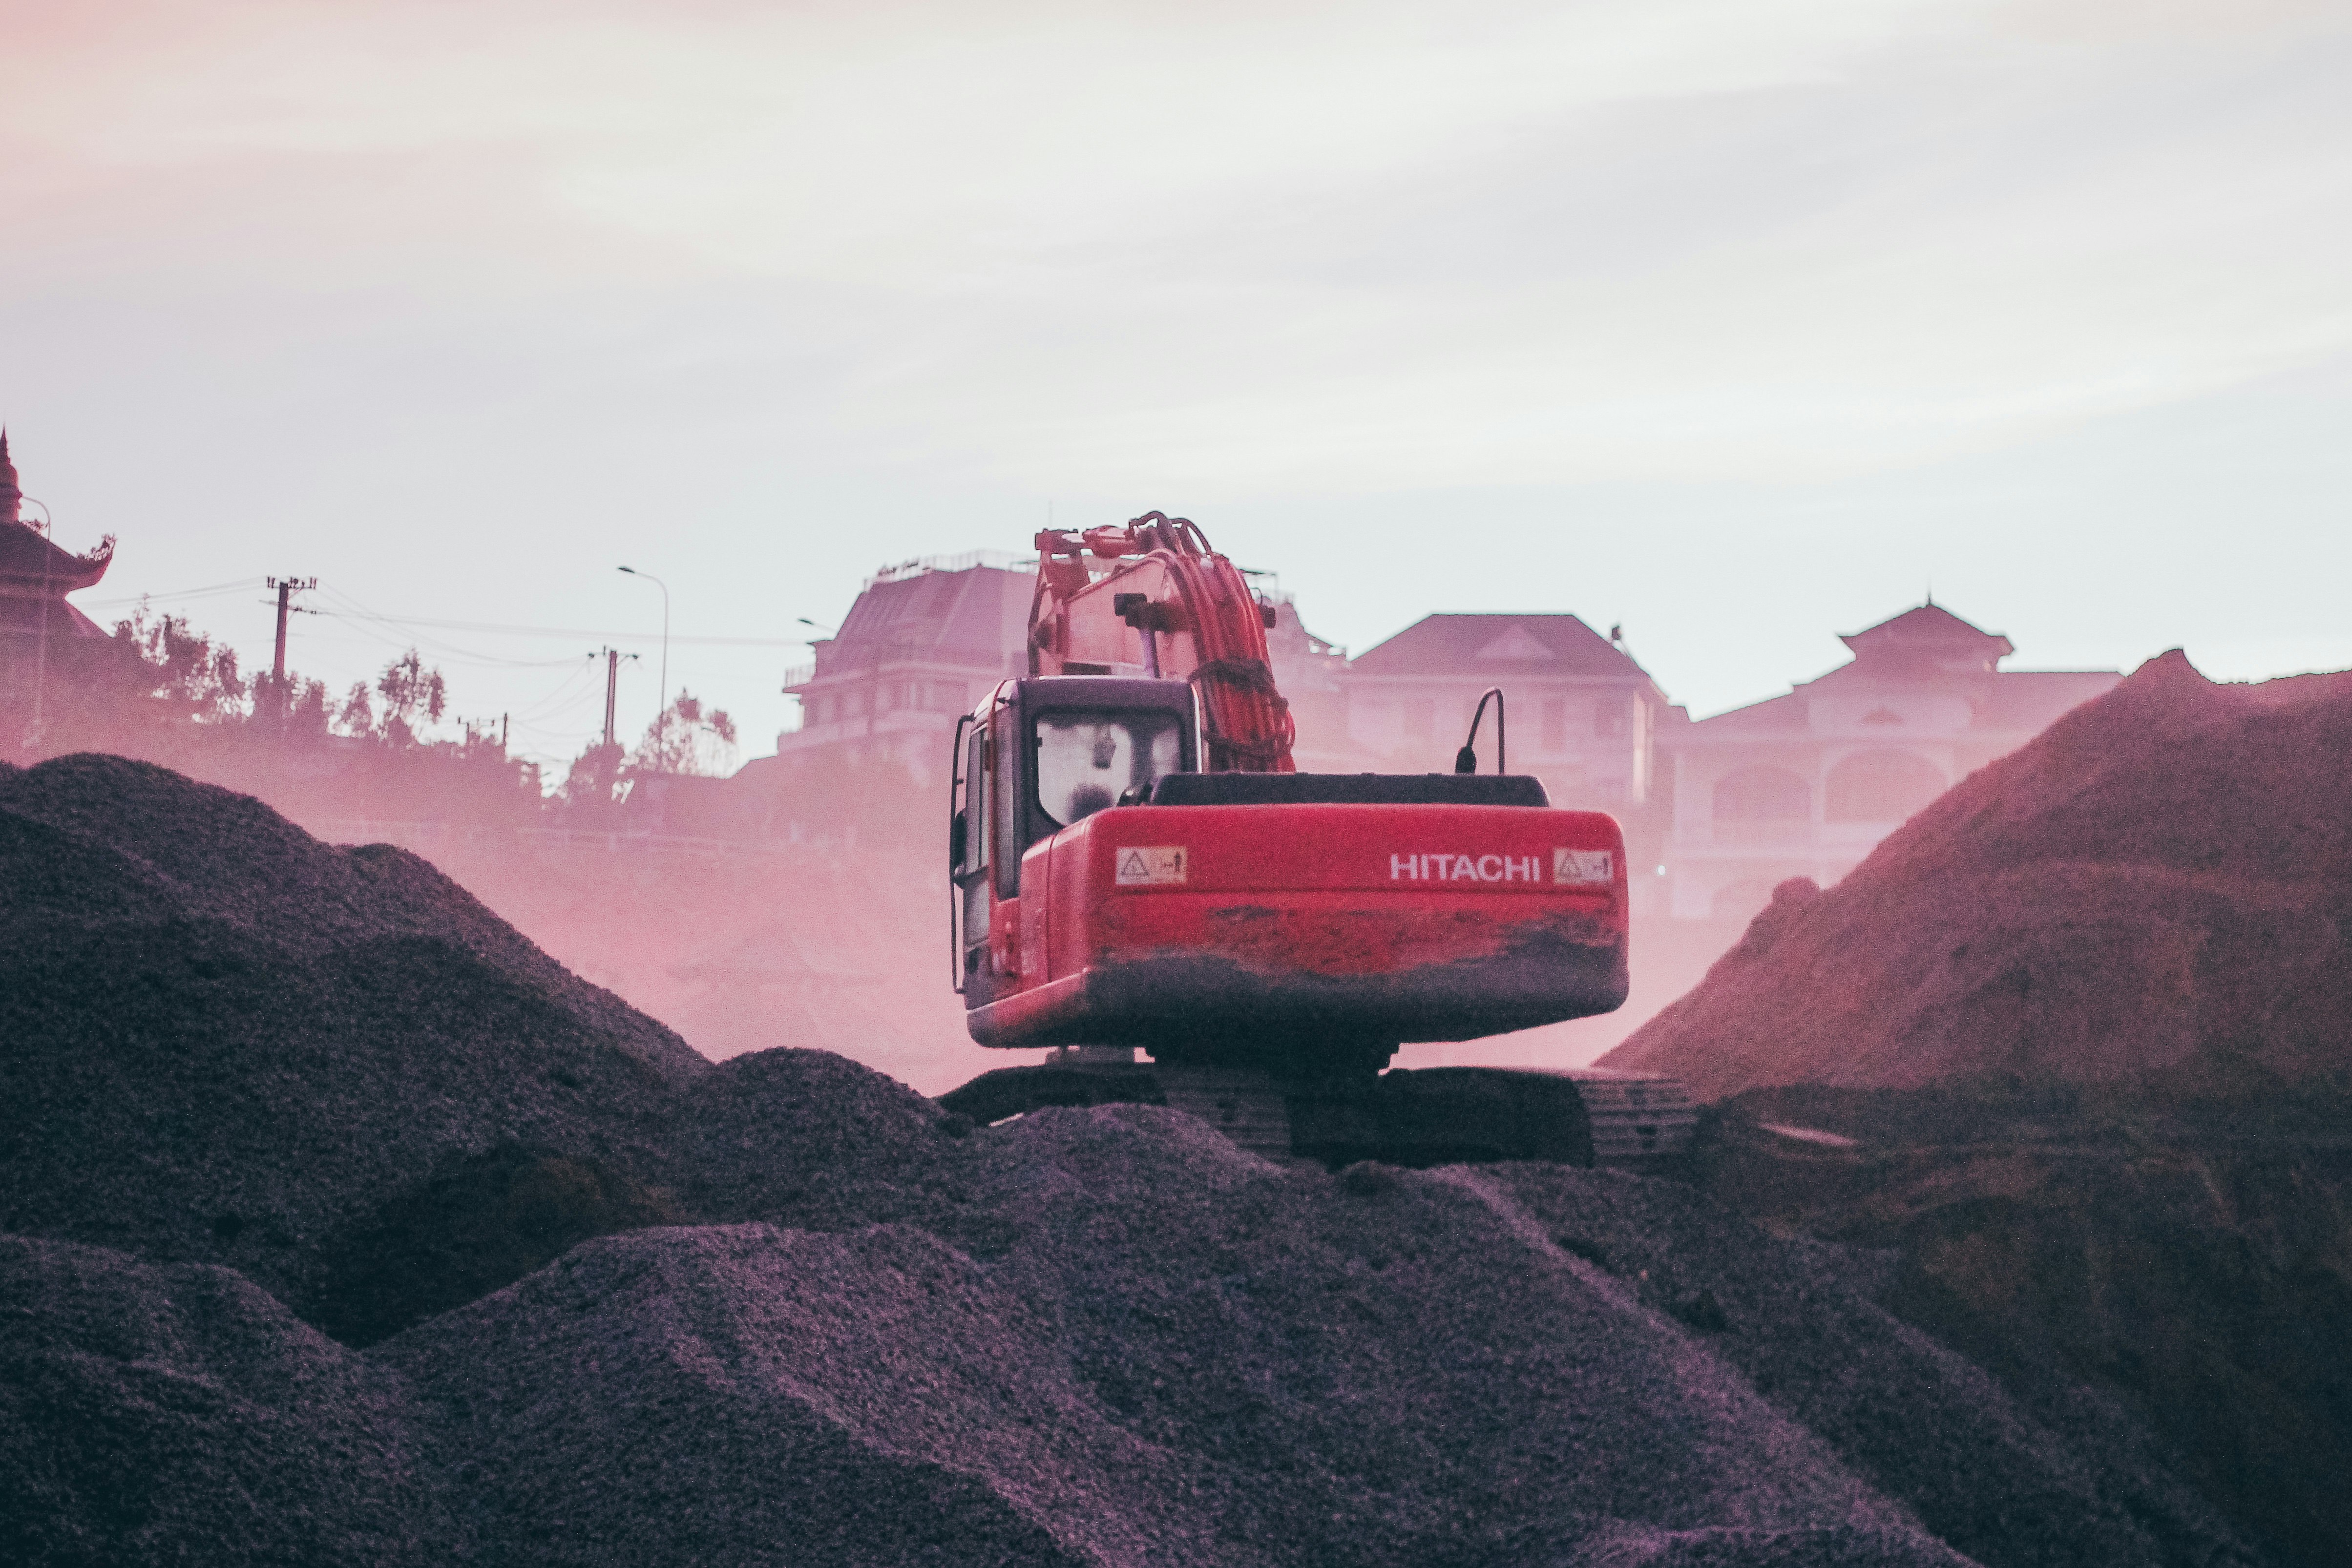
(1580, 712)
(924, 641)
(35, 575)
(1312, 676)
(1807, 784)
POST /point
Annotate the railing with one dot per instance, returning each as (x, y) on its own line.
(1000, 560)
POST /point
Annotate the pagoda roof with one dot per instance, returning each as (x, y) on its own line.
(1484, 646)
(30, 560)
(1931, 629)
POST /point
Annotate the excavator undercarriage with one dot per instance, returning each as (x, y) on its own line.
(1417, 1118)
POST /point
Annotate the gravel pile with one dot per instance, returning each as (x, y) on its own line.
(226, 1041)
(181, 1414)
(2161, 882)
(833, 1323)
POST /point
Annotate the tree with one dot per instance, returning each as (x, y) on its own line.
(182, 668)
(301, 703)
(357, 716)
(408, 689)
(593, 775)
(687, 737)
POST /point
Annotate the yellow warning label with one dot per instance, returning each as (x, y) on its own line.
(1151, 866)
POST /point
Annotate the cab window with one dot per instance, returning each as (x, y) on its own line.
(1087, 761)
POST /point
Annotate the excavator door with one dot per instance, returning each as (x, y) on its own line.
(1041, 755)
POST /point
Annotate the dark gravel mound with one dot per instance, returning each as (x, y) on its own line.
(167, 847)
(762, 1395)
(1840, 1547)
(1175, 1353)
(180, 1415)
(1090, 1336)
(2184, 1256)
(2161, 881)
(2067, 1480)
(810, 1139)
(480, 1223)
(226, 1041)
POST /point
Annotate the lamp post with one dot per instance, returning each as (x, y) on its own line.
(662, 711)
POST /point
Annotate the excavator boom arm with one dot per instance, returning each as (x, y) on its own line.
(1149, 598)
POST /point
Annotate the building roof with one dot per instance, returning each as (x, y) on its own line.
(1925, 646)
(1930, 633)
(977, 617)
(28, 560)
(31, 563)
(1484, 646)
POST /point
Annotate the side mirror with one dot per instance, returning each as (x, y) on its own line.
(955, 842)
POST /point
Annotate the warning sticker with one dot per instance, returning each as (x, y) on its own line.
(1151, 867)
(1582, 865)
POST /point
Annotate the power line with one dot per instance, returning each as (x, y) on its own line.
(513, 631)
(496, 628)
(361, 615)
(448, 653)
(176, 594)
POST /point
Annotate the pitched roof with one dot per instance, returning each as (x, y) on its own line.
(977, 616)
(1518, 646)
(1932, 630)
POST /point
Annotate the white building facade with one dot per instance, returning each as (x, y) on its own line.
(1808, 784)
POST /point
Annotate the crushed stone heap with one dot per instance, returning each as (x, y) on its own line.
(224, 1038)
(532, 1287)
(2160, 883)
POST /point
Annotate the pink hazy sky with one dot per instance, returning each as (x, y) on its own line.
(1741, 322)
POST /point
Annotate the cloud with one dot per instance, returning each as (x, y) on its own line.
(1309, 247)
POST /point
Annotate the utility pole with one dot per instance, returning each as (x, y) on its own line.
(287, 587)
(612, 657)
(611, 689)
(661, 713)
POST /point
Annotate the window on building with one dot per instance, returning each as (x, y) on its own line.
(1555, 724)
(1761, 805)
(1881, 787)
(1607, 719)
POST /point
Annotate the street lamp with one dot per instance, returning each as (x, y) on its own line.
(663, 709)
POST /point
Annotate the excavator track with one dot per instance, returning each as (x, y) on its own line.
(1249, 1108)
(1419, 1118)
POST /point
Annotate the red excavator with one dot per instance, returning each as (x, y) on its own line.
(1137, 864)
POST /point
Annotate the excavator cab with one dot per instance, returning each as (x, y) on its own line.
(1041, 755)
